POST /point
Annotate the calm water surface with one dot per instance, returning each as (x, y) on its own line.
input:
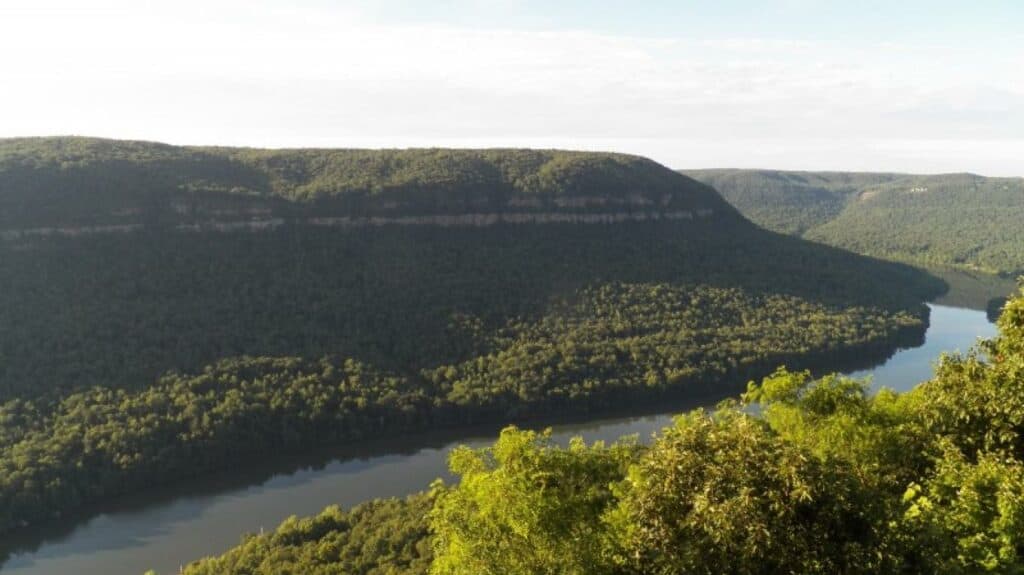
(162, 531)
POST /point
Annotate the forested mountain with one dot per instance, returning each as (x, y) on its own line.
(166, 288)
(145, 337)
(957, 220)
(102, 184)
(824, 478)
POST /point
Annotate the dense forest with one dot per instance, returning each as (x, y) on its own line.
(380, 537)
(825, 477)
(620, 345)
(86, 182)
(133, 358)
(962, 221)
(121, 310)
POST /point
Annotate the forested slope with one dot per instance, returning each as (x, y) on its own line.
(825, 477)
(85, 182)
(957, 220)
(169, 348)
(789, 202)
(961, 220)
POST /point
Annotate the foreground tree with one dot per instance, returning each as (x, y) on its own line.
(527, 506)
(725, 494)
(967, 515)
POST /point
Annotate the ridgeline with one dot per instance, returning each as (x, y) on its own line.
(108, 185)
(961, 221)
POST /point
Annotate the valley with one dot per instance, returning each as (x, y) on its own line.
(364, 287)
(171, 314)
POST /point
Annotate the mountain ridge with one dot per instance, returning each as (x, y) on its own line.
(82, 182)
(957, 220)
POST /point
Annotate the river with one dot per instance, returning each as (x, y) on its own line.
(167, 529)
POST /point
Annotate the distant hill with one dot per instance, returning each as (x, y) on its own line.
(86, 182)
(964, 221)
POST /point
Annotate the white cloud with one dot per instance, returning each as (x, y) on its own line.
(229, 73)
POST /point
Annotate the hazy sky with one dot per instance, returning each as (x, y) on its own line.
(924, 86)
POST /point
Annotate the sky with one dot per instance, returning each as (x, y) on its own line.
(913, 86)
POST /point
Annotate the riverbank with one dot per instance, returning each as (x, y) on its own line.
(203, 517)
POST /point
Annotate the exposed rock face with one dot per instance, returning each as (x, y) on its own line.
(68, 231)
(454, 220)
(481, 220)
